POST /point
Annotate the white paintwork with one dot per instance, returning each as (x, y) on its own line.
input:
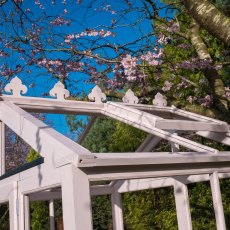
(27, 212)
(69, 167)
(194, 116)
(2, 148)
(130, 97)
(159, 100)
(13, 207)
(76, 201)
(217, 201)
(15, 87)
(168, 124)
(223, 138)
(97, 95)
(147, 122)
(101, 190)
(45, 105)
(175, 147)
(123, 186)
(59, 91)
(51, 214)
(182, 206)
(156, 158)
(52, 145)
(45, 195)
(117, 212)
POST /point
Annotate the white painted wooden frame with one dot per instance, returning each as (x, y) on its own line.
(71, 167)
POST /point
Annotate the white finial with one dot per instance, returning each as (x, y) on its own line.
(16, 87)
(59, 91)
(130, 97)
(97, 95)
(159, 100)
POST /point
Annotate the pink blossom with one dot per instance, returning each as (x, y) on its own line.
(92, 33)
(162, 39)
(167, 86)
(58, 21)
(128, 61)
(206, 101)
(37, 2)
(152, 58)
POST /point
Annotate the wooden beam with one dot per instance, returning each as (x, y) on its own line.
(76, 200)
(87, 129)
(48, 105)
(55, 147)
(217, 201)
(117, 212)
(223, 138)
(182, 206)
(123, 186)
(2, 148)
(191, 126)
(51, 215)
(149, 143)
(146, 122)
(13, 207)
(156, 158)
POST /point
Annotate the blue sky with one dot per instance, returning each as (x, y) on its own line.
(84, 16)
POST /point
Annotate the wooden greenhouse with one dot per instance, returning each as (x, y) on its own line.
(66, 168)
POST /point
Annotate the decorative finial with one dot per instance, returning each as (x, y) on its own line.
(15, 87)
(159, 100)
(97, 95)
(59, 91)
(130, 97)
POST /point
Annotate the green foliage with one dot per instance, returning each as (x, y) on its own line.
(4, 217)
(99, 137)
(39, 215)
(125, 138)
(98, 140)
(201, 206)
(146, 210)
(33, 155)
(76, 123)
(102, 213)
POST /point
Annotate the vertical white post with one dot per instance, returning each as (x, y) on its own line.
(13, 208)
(27, 212)
(117, 212)
(217, 201)
(51, 214)
(2, 148)
(76, 200)
(23, 203)
(175, 147)
(182, 206)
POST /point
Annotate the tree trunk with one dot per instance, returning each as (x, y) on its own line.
(210, 18)
(212, 75)
(197, 42)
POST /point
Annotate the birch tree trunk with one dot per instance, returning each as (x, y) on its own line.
(210, 18)
(212, 75)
